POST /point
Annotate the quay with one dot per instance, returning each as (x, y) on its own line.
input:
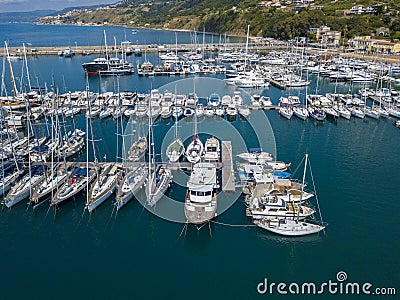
(228, 175)
(17, 51)
(277, 84)
(99, 50)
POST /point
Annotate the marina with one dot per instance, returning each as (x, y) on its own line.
(122, 131)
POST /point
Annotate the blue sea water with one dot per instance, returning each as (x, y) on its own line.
(67, 35)
(136, 255)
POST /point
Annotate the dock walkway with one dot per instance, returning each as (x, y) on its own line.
(228, 175)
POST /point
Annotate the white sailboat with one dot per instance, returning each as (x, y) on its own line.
(195, 149)
(288, 227)
(25, 187)
(291, 226)
(131, 183)
(176, 149)
(159, 176)
(103, 187)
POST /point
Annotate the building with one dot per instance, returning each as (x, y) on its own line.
(357, 10)
(360, 10)
(368, 44)
(326, 36)
(382, 31)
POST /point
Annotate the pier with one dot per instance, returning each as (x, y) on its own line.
(277, 84)
(228, 175)
(17, 51)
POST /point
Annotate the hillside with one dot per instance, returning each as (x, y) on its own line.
(284, 19)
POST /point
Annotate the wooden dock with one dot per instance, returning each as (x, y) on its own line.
(228, 175)
(277, 84)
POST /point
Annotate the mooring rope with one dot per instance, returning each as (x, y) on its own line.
(234, 225)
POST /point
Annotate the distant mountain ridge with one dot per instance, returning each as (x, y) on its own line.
(285, 19)
(24, 17)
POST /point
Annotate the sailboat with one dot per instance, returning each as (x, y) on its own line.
(291, 226)
(195, 149)
(25, 187)
(103, 186)
(159, 176)
(176, 149)
(301, 111)
(79, 178)
(133, 178)
(288, 227)
(106, 180)
(10, 172)
(48, 185)
(57, 175)
(130, 185)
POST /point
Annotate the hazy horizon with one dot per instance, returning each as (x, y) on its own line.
(28, 5)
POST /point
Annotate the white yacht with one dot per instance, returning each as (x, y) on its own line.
(256, 155)
(201, 196)
(237, 98)
(267, 203)
(212, 149)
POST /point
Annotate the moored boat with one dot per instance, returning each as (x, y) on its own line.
(201, 196)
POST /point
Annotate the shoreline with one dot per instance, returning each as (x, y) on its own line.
(145, 27)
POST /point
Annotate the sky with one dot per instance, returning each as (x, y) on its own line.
(30, 5)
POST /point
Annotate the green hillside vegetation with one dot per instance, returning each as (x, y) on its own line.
(233, 16)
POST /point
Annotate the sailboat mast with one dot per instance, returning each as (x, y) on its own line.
(304, 175)
(247, 46)
(176, 120)
(105, 43)
(204, 38)
(87, 139)
(149, 182)
(27, 69)
(176, 46)
(115, 46)
(11, 70)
